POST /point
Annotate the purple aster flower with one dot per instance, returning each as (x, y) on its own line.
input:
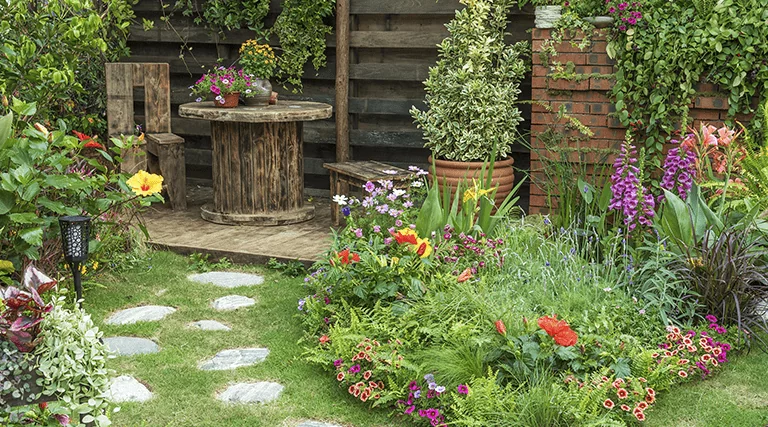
(358, 232)
(382, 209)
(394, 213)
(398, 223)
(368, 202)
(377, 229)
(301, 304)
(369, 186)
(388, 241)
(408, 204)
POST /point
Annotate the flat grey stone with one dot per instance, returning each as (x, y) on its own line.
(130, 346)
(233, 359)
(316, 424)
(229, 280)
(232, 302)
(261, 392)
(210, 325)
(147, 313)
(127, 389)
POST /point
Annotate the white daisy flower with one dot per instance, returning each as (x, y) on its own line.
(340, 199)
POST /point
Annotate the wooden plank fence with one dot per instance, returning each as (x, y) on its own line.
(392, 44)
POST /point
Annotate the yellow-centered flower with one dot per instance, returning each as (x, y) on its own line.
(145, 184)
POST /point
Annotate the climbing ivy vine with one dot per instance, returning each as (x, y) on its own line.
(678, 44)
(301, 28)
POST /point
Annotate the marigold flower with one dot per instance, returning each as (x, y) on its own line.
(465, 275)
(145, 184)
(608, 403)
(500, 327)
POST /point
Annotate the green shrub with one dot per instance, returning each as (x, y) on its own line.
(473, 89)
(53, 54)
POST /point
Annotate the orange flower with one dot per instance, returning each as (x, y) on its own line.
(88, 141)
(500, 327)
(465, 275)
(559, 330)
(406, 235)
(324, 339)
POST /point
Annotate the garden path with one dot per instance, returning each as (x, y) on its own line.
(128, 389)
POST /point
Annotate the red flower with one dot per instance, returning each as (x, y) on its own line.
(367, 375)
(324, 339)
(640, 416)
(43, 406)
(650, 399)
(608, 403)
(625, 408)
(346, 258)
(559, 330)
(500, 328)
(622, 393)
(340, 376)
(88, 141)
(405, 236)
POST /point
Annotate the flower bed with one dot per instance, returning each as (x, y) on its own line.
(522, 324)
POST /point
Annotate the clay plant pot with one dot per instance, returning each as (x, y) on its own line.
(231, 100)
(450, 173)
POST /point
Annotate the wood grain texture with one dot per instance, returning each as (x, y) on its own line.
(284, 111)
(342, 80)
(258, 171)
(157, 98)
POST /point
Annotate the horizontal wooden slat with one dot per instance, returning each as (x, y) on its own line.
(396, 39)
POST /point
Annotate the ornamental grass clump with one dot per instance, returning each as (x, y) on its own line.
(473, 89)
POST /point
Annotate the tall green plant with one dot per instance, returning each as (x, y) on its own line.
(473, 88)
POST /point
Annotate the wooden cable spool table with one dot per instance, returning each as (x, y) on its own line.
(258, 161)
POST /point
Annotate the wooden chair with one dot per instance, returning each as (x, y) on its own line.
(164, 150)
(353, 175)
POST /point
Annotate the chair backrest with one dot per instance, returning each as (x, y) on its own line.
(122, 78)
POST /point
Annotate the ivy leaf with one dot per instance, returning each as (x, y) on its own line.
(33, 236)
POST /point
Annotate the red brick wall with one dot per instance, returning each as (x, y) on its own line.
(587, 99)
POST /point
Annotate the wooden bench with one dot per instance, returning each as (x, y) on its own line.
(347, 176)
(164, 150)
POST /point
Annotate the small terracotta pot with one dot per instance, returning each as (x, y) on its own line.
(450, 173)
(231, 100)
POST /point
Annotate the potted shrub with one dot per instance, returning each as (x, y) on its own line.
(225, 84)
(258, 62)
(471, 97)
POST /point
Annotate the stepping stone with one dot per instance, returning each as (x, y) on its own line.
(261, 392)
(210, 325)
(127, 389)
(229, 280)
(130, 346)
(316, 424)
(232, 302)
(147, 313)
(233, 359)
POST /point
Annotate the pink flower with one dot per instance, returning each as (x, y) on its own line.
(215, 89)
(707, 135)
(462, 389)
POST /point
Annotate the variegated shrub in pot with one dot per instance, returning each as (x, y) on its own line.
(472, 95)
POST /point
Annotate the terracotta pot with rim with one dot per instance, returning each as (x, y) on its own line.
(231, 100)
(450, 173)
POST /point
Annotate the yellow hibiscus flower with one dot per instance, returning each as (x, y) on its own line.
(423, 248)
(145, 184)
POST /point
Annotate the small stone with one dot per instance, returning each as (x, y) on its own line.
(130, 346)
(232, 302)
(147, 313)
(127, 389)
(233, 359)
(316, 424)
(210, 325)
(227, 279)
(261, 392)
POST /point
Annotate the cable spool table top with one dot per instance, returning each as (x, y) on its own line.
(284, 111)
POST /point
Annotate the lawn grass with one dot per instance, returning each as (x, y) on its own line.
(184, 395)
(735, 397)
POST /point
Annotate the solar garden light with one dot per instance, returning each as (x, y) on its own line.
(75, 232)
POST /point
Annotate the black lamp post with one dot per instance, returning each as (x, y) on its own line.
(75, 233)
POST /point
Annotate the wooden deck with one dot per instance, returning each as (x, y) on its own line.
(185, 232)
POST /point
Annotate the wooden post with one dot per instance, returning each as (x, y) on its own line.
(120, 79)
(342, 80)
